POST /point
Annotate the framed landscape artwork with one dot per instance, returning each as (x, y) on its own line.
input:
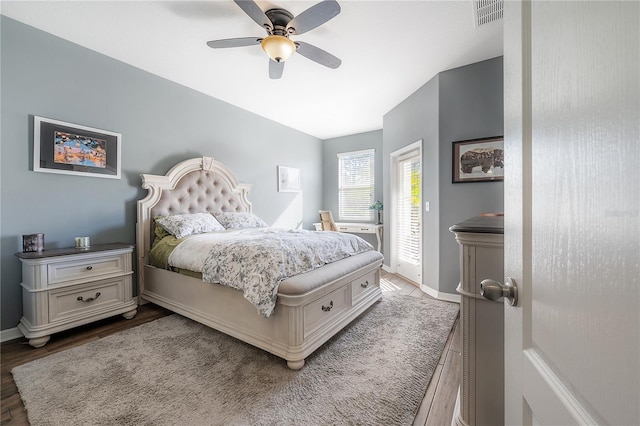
(478, 160)
(72, 149)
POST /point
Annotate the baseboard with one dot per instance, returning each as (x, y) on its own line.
(10, 334)
(447, 297)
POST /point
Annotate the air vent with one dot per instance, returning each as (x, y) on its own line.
(485, 11)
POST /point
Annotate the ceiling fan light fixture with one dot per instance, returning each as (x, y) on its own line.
(279, 48)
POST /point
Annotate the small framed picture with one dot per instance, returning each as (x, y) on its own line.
(288, 179)
(72, 149)
(478, 160)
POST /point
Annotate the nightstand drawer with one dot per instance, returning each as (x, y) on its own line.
(75, 301)
(321, 311)
(85, 269)
(362, 284)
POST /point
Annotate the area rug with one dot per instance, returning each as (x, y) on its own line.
(174, 371)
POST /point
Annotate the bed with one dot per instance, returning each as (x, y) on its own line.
(310, 308)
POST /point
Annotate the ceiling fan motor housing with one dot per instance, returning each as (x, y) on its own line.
(280, 18)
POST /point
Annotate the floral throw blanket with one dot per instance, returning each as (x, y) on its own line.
(256, 262)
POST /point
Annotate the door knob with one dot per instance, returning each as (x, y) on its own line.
(494, 290)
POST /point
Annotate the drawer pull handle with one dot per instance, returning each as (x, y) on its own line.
(364, 284)
(89, 268)
(91, 299)
(327, 308)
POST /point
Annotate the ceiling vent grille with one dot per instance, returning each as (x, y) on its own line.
(485, 11)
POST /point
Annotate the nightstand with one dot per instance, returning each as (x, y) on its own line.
(68, 287)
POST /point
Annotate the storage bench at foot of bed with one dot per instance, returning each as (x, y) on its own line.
(311, 307)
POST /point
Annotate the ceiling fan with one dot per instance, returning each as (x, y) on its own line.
(280, 24)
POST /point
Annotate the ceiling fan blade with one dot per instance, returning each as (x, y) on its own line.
(275, 69)
(318, 55)
(316, 15)
(234, 42)
(253, 10)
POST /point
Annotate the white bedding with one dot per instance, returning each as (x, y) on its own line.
(256, 260)
(192, 252)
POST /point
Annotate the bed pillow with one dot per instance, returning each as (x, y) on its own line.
(240, 220)
(182, 225)
(159, 231)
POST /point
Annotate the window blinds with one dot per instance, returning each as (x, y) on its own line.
(356, 179)
(408, 225)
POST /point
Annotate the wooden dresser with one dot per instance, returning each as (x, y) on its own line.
(481, 393)
(68, 287)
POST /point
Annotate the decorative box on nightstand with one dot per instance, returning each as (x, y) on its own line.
(68, 287)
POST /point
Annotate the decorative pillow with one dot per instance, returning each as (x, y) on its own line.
(160, 232)
(182, 225)
(240, 220)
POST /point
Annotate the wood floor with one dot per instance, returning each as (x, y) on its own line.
(436, 408)
(439, 400)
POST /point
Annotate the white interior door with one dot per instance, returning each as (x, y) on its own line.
(406, 212)
(572, 212)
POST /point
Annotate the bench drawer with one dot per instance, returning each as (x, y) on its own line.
(325, 309)
(362, 284)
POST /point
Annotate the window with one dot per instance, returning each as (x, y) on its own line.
(356, 178)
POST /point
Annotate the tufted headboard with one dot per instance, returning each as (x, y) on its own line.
(191, 186)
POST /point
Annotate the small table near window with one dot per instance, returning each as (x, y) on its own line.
(362, 228)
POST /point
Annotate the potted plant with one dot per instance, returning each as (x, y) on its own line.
(378, 207)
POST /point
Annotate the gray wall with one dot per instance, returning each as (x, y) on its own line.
(330, 150)
(458, 104)
(471, 106)
(416, 118)
(161, 123)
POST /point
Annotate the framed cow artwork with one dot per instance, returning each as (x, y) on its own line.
(478, 160)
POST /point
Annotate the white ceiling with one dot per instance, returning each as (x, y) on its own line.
(388, 50)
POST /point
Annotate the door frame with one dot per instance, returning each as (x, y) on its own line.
(393, 228)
